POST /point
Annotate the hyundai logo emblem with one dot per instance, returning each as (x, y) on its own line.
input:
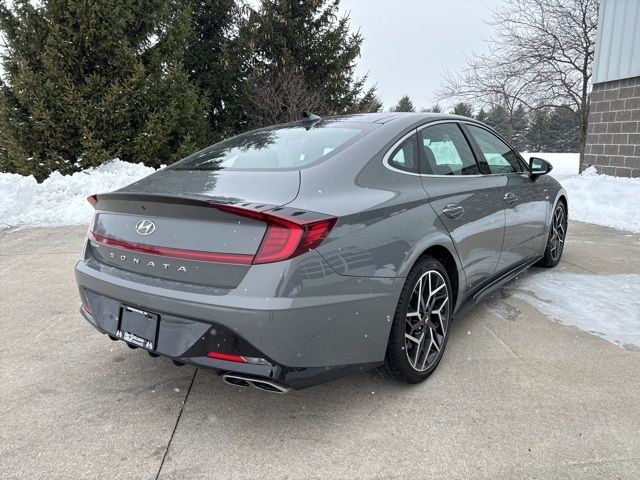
(145, 227)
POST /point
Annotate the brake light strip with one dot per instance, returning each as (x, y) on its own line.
(216, 257)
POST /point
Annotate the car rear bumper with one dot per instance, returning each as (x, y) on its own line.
(305, 339)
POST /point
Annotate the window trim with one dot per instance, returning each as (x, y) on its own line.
(470, 140)
(387, 156)
(416, 155)
(414, 131)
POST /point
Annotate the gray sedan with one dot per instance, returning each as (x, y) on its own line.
(295, 254)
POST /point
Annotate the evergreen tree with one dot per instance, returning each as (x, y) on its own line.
(369, 103)
(539, 129)
(519, 127)
(404, 105)
(564, 130)
(433, 109)
(89, 80)
(482, 115)
(303, 46)
(498, 118)
(464, 109)
(214, 62)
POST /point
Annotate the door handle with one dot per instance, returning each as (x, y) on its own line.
(453, 210)
(510, 198)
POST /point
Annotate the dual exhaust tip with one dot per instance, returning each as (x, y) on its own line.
(259, 383)
(232, 378)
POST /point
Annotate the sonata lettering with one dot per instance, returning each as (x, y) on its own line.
(152, 264)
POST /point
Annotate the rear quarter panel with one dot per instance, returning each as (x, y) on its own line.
(385, 220)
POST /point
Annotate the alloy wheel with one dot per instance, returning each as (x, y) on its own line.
(558, 232)
(427, 320)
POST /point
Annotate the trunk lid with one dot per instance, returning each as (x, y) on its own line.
(167, 225)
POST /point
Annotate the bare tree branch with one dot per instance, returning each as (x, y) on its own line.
(541, 56)
(282, 97)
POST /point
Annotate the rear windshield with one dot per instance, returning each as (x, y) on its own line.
(280, 147)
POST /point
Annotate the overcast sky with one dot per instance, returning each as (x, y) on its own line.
(408, 44)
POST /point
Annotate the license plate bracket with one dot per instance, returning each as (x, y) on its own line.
(138, 327)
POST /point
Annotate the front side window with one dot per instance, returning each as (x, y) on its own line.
(499, 156)
(280, 147)
(446, 151)
(405, 157)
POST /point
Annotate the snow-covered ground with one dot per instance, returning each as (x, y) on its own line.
(61, 199)
(589, 302)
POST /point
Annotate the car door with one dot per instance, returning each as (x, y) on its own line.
(524, 199)
(466, 201)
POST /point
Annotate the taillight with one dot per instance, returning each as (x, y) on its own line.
(92, 199)
(287, 236)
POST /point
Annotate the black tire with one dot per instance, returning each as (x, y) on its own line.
(397, 364)
(557, 235)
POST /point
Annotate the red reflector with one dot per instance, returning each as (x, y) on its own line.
(229, 357)
(92, 199)
(85, 302)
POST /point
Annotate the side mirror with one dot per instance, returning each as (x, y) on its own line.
(538, 166)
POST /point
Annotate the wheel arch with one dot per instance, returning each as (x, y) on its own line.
(448, 261)
(562, 197)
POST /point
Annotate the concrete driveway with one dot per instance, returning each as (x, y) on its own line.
(518, 396)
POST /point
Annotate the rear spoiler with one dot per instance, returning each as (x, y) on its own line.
(135, 202)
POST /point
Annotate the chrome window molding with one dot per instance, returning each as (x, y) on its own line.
(385, 159)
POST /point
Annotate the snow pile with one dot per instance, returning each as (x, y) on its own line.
(604, 200)
(61, 199)
(606, 305)
(600, 199)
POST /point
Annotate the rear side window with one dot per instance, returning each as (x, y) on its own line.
(280, 147)
(446, 151)
(499, 156)
(405, 157)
